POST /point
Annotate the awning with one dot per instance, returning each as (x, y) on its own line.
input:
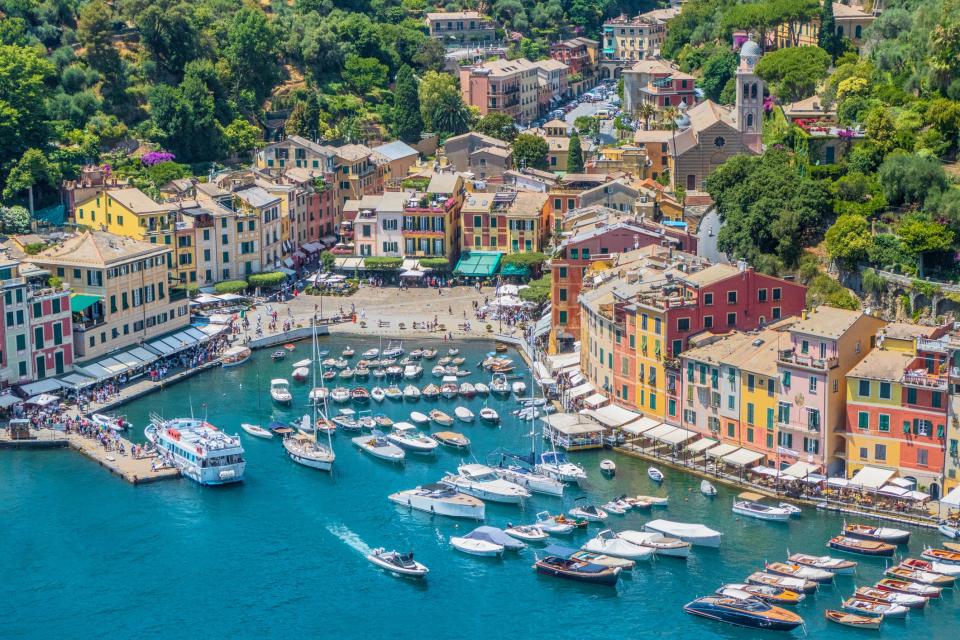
(743, 457)
(570, 424)
(614, 416)
(412, 273)
(201, 336)
(840, 483)
(511, 269)
(41, 386)
(287, 272)
(349, 263)
(902, 482)
(114, 366)
(7, 400)
(640, 426)
(871, 477)
(204, 298)
(677, 436)
(892, 490)
(128, 359)
(161, 347)
(79, 302)
(701, 445)
(916, 495)
(663, 429)
(95, 370)
(765, 471)
(563, 360)
(329, 239)
(582, 390)
(143, 355)
(800, 469)
(43, 400)
(952, 499)
(542, 327)
(721, 450)
(410, 264)
(311, 247)
(595, 400)
(231, 297)
(479, 263)
(77, 381)
(288, 262)
(299, 254)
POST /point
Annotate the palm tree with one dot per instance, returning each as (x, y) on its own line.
(670, 115)
(646, 111)
(451, 114)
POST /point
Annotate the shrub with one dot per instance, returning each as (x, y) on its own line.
(230, 286)
(267, 279)
(437, 264)
(54, 282)
(33, 248)
(382, 264)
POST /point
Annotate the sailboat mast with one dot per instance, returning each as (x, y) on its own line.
(313, 370)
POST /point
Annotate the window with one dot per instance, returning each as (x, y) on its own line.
(911, 396)
(683, 324)
(708, 299)
(884, 422)
(707, 322)
(776, 293)
(761, 295)
(750, 413)
(731, 297)
(731, 319)
(863, 389)
(751, 382)
(880, 452)
(884, 390)
(922, 457)
(935, 399)
(811, 445)
(563, 317)
(813, 419)
(863, 420)
(563, 272)
(21, 342)
(769, 419)
(813, 384)
(783, 413)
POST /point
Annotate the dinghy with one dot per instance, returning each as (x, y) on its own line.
(463, 414)
(608, 466)
(905, 586)
(489, 415)
(256, 431)
(707, 488)
(655, 474)
(419, 418)
(440, 418)
(377, 394)
(452, 439)
(853, 620)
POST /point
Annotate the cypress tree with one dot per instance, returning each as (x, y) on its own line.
(827, 37)
(407, 121)
(574, 154)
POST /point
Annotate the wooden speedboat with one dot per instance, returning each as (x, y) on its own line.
(881, 534)
(932, 567)
(862, 547)
(799, 571)
(748, 504)
(945, 556)
(452, 439)
(853, 620)
(401, 564)
(577, 570)
(440, 418)
(869, 608)
(771, 594)
(257, 431)
(596, 558)
(752, 613)
(837, 566)
(360, 395)
(905, 586)
(799, 585)
(920, 577)
(873, 594)
(661, 544)
(951, 546)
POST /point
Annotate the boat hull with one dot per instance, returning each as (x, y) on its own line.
(701, 540)
(313, 463)
(740, 618)
(419, 571)
(438, 507)
(605, 578)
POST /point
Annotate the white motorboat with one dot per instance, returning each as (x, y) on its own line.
(393, 392)
(410, 392)
(378, 394)
(481, 389)
(401, 564)
(439, 371)
(519, 387)
(306, 362)
(653, 501)
(453, 351)
(527, 533)
(746, 504)
(531, 480)
(347, 352)
(441, 500)
(616, 507)
(695, 534)
(256, 431)
(496, 536)
(392, 350)
(340, 395)
(589, 513)
(449, 387)
(347, 419)
(280, 391)
(235, 356)
(499, 384)
(707, 488)
(451, 439)
(661, 544)
(412, 371)
(655, 474)
(608, 466)
(406, 436)
(481, 481)
(609, 543)
(440, 418)
(104, 421)
(463, 414)
(300, 374)
(318, 394)
(794, 510)
(379, 447)
(467, 390)
(370, 354)
(476, 547)
(554, 464)
(549, 524)
(419, 418)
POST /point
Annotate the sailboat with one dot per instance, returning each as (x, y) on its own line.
(304, 448)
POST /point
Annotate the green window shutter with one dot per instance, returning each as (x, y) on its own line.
(786, 378)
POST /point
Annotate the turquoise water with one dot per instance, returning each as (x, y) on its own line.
(85, 554)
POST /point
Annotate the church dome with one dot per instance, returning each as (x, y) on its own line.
(683, 121)
(750, 49)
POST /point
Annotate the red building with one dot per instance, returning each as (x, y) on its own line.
(51, 329)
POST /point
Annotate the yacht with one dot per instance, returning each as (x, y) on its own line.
(554, 465)
(751, 613)
(412, 371)
(441, 500)
(481, 481)
(393, 350)
(499, 384)
(202, 452)
(406, 436)
(535, 482)
(280, 391)
(379, 447)
(747, 504)
(304, 448)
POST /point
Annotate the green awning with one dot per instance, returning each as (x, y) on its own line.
(479, 263)
(511, 269)
(81, 302)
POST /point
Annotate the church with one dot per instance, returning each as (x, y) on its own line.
(707, 134)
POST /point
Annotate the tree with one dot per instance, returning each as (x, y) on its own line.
(587, 125)
(169, 34)
(241, 137)
(407, 122)
(497, 125)
(32, 169)
(908, 179)
(793, 72)
(439, 91)
(530, 151)
(251, 51)
(230, 286)
(828, 38)
(327, 260)
(848, 240)
(646, 111)
(364, 74)
(574, 155)
(920, 235)
(24, 90)
(94, 31)
(717, 71)
(881, 128)
(14, 219)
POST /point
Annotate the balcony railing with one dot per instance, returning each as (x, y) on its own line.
(923, 380)
(788, 356)
(936, 346)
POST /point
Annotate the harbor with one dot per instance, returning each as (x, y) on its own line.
(287, 525)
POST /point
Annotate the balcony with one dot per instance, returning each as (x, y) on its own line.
(788, 356)
(920, 379)
(933, 346)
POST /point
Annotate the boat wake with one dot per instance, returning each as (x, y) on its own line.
(349, 538)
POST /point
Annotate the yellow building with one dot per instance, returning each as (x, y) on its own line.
(526, 221)
(851, 22)
(755, 369)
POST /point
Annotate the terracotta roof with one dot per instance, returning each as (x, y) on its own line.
(908, 331)
(881, 364)
(528, 203)
(97, 249)
(712, 274)
(827, 322)
(139, 202)
(846, 11)
(353, 152)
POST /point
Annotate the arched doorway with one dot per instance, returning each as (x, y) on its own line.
(934, 491)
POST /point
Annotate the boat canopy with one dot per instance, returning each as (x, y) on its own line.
(871, 477)
(559, 550)
(496, 536)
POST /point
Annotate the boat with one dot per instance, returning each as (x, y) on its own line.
(490, 416)
(235, 356)
(379, 447)
(306, 362)
(655, 474)
(920, 577)
(441, 500)
(360, 395)
(696, 534)
(499, 384)
(611, 544)
(950, 531)
(449, 388)
(393, 392)
(526, 532)
(440, 418)
(379, 373)
(481, 389)
(410, 392)
(616, 507)
(838, 566)
(378, 394)
(555, 465)
(329, 375)
(577, 570)
(370, 354)
(707, 488)
(931, 566)
(361, 373)
(861, 547)
(279, 354)
(751, 613)
(306, 450)
(329, 362)
(500, 347)
(318, 394)
(416, 354)
(438, 371)
(880, 534)
(429, 354)
(535, 482)
(419, 418)
(452, 439)
(367, 422)
(401, 564)
(661, 544)
(467, 390)
(256, 431)
(406, 436)
(497, 536)
(476, 547)
(638, 504)
(393, 371)
(793, 509)
(608, 466)
(347, 352)
(799, 571)
(654, 501)
(198, 449)
(340, 395)
(773, 595)
(519, 387)
(951, 546)
(347, 420)
(784, 582)
(392, 350)
(746, 504)
(453, 351)
(911, 601)
(280, 391)
(431, 391)
(412, 371)
(870, 608)
(945, 556)
(382, 421)
(463, 414)
(482, 482)
(555, 525)
(340, 363)
(345, 374)
(289, 346)
(589, 513)
(104, 421)
(444, 361)
(853, 620)
(905, 586)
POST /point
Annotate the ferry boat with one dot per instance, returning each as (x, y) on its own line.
(202, 452)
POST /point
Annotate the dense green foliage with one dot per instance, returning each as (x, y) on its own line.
(530, 151)
(230, 286)
(538, 291)
(382, 264)
(497, 125)
(267, 279)
(574, 155)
